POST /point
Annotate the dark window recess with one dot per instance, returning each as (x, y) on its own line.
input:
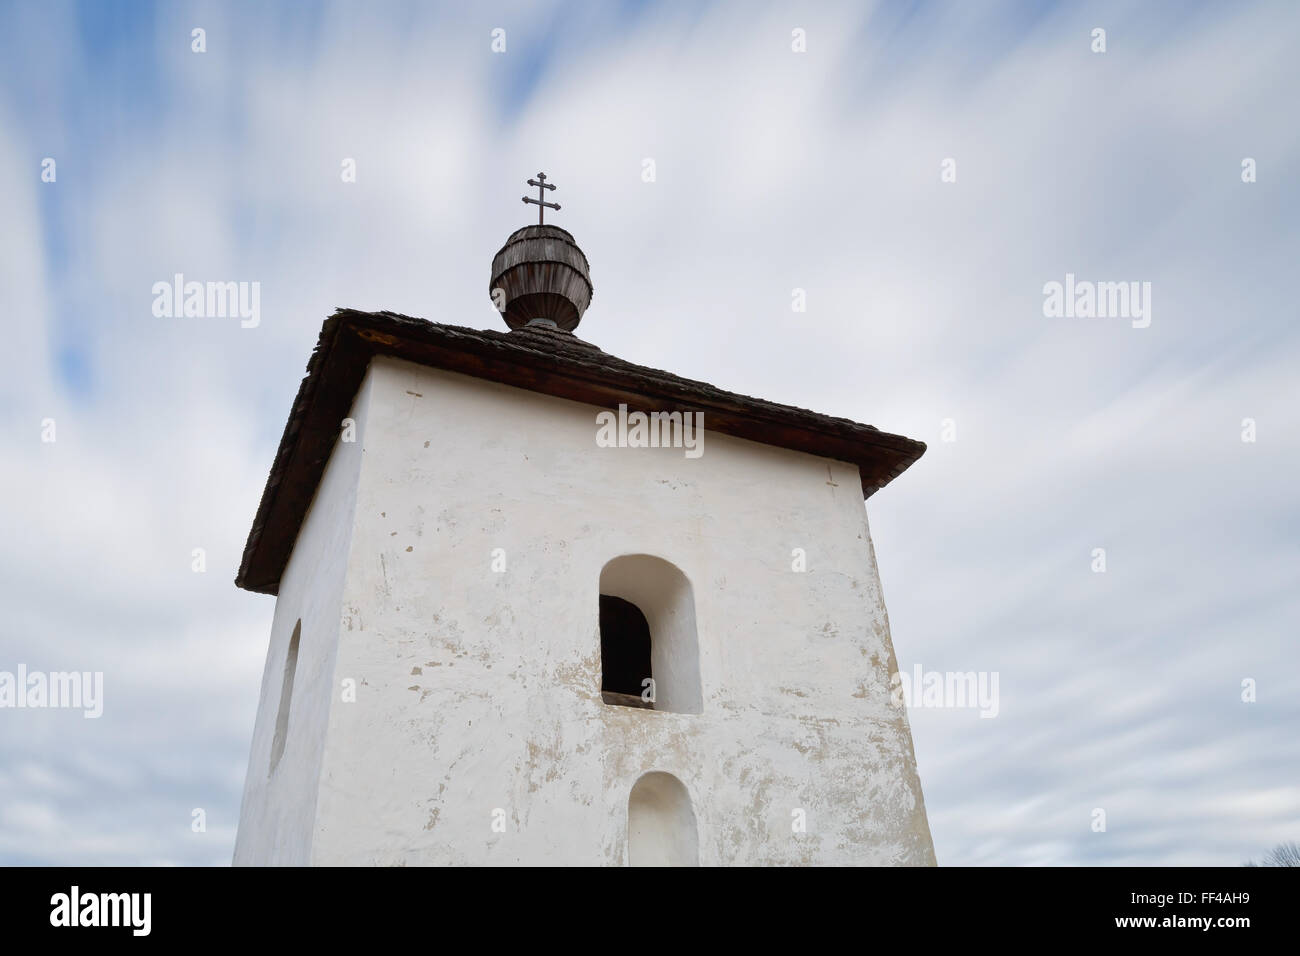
(624, 652)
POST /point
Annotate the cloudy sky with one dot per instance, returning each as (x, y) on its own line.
(775, 170)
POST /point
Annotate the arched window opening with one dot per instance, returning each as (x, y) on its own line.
(626, 672)
(649, 648)
(286, 696)
(661, 828)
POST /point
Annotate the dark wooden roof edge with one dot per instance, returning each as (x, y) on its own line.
(547, 361)
(279, 466)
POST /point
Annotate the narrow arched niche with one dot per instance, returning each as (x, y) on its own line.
(286, 698)
(663, 596)
(661, 829)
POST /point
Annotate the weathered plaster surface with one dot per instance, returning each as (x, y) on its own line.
(276, 821)
(480, 691)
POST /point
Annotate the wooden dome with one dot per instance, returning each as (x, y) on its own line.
(542, 274)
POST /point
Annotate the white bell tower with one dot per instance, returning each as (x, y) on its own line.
(538, 605)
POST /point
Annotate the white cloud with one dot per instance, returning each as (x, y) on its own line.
(775, 170)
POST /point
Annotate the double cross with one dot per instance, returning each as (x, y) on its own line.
(540, 202)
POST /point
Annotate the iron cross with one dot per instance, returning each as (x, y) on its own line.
(540, 202)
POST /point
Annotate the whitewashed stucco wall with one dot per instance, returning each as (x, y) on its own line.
(276, 819)
(479, 691)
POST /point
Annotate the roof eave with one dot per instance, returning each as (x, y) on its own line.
(350, 339)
